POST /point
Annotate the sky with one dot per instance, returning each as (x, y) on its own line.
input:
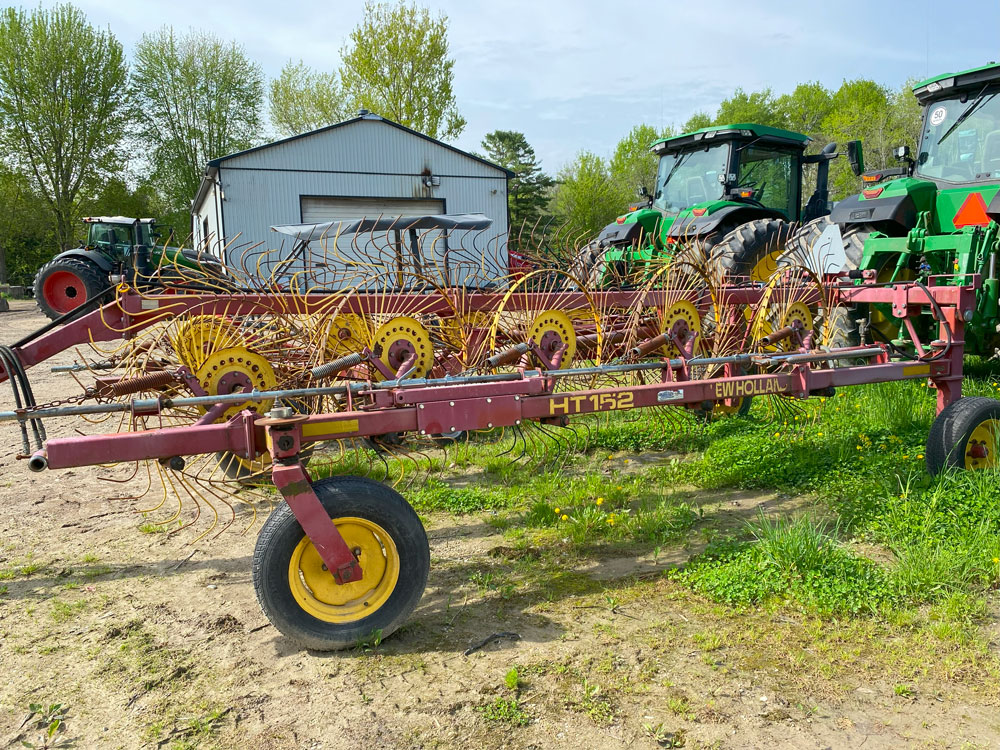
(579, 74)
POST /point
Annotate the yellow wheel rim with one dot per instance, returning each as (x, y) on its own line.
(981, 447)
(685, 314)
(765, 268)
(230, 371)
(550, 324)
(404, 334)
(800, 312)
(319, 594)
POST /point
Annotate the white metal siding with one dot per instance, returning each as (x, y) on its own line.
(316, 209)
(367, 158)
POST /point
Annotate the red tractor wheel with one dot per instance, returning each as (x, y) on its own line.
(63, 284)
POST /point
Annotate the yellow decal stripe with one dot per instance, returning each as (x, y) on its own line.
(912, 370)
(334, 427)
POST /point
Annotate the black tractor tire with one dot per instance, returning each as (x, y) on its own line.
(63, 284)
(343, 497)
(948, 440)
(739, 252)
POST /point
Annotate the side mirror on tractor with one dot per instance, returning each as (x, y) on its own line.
(856, 158)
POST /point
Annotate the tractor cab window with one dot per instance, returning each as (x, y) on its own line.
(771, 174)
(687, 178)
(961, 138)
(109, 237)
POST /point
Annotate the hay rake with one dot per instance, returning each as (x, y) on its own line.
(215, 387)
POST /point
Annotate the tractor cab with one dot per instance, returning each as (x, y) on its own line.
(115, 236)
(709, 183)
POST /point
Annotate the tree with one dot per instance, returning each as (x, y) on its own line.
(757, 107)
(880, 118)
(527, 189)
(303, 99)
(633, 164)
(27, 234)
(586, 197)
(396, 64)
(64, 106)
(200, 98)
(804, 111)
(697, 121)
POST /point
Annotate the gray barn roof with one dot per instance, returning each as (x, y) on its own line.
(213, 166)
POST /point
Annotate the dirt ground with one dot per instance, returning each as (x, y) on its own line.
(156, 640)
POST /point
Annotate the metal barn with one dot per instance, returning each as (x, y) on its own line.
(364, 167)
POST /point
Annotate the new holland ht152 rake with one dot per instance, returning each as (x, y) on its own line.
(376, 333)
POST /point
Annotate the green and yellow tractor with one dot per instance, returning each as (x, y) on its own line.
(118, 248)
(936, 213)
(734, 190)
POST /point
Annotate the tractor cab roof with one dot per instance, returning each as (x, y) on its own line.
(116, 220)
(948, 84)
(733, 131)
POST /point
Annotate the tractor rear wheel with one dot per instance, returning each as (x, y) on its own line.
(964, 436)
(752, 249)
(300, 597)
(63, 284)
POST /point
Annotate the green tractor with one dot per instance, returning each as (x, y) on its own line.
(117, 248)
(734, 190)
(934, 214)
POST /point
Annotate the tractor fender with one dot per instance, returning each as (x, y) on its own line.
(100, 260)
(897, 209)
(619, 234)
(730, 216)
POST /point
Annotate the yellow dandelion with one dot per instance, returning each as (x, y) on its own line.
(600, 500)
(996, 559)
(557, 511)
(906, 455)
(920, 455)
(611, 520)
(565, 517)
(777, 434)
(820, 434)
(610, 456)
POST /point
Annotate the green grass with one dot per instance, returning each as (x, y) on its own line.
(505, 711)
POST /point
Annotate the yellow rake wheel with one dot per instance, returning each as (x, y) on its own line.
(233, 371)
(797, 315)
(682, 320)
(346, 333)
(400, 340)
(552, 330)
(303, 600)
(198, 337)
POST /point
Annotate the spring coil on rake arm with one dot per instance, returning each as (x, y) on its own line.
(338, 365)
(141, 383)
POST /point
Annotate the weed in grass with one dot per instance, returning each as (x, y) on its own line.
(511, 679)
(596, 705)
(505, 711)
(63, 611)
(3, 590)
(90, 558)
(903, 691)
(679, 706)
(153, 528)
(50, 722)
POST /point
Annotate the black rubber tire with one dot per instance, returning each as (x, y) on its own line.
(948, 439)
(281, 533)
(95, 282)
(741, 249)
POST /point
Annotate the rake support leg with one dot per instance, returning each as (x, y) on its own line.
(284, 438)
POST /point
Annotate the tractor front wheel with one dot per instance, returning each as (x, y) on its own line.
(63, 284)
(302, 599)
(964, 436)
